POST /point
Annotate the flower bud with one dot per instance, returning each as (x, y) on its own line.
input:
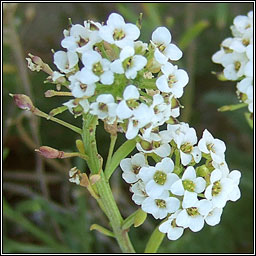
(139, 218)
(23, 101)
(202, 171)
(49, 152)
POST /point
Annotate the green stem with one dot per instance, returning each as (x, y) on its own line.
(111, 149)
(40, 113)
(104, 191)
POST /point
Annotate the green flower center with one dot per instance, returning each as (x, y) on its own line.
(186, 147)
(171, 80)
(83, 41)
(132, 103)
(118, 34)
(160, 177)
(97, 69)
(189, 185)
(160, 203)
(127, 63)
(210, 147)
(161, 47)
(245, 42)
(192, 211)
(216, 188)
(227, 50)
(237, 65)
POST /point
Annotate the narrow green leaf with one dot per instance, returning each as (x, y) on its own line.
(129, 221)
(120, 154)
(232, 107)
(5, 153)
(154, 241)
(58, 110)
(102, 230)
(191, 33)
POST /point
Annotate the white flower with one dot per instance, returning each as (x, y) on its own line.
(65, 61)
(141, 116)
(218, 192)
(155, 145)
(164, 50)
(193, 217)
(159, 178)
(74, 175)
(210, 145)
(80, 38)
(131, 167)
(242, 24)
(125, 107)
(170, 227)
(128, 63)
(80, 89)
(104, 108)
(139, 192)
(73, 104)
(190, 185)
(162, 205)
(118, 32)
(96, 69)
(56, 76)
(213, 217)
(245, 87)
(173, 80)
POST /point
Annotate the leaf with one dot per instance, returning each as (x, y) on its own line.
(192, 33)
(102, 230)
(154, 241)
(120, 154)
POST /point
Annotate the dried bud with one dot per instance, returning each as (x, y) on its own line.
(49, 93)
(74, 175)
(35, 63)
(84, 181)
(23, 101)
(94, 178)
(49, 152)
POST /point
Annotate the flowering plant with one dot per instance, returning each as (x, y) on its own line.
(236, 56)
(134, 88)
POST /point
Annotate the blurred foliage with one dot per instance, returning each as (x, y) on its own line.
(35, 224)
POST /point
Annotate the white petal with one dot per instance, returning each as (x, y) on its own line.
(146, 173)
(182, 219)
(162, 84)
(131, 92)
(164, 150)
(200, 184)
(153, 189)
(160, 57)
(175, 233)
(197, 223)
(189, 174)
(161, 36)
(214, 217)
(172, 204)
(126, 53)
(173, 52)
(107, 77)
(177, 188)
(117, 67)
(215, 175)
(189, 199)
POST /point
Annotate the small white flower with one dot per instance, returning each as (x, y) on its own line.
(218, 192)
(96, 69)
(118, 32)
(139, 192)
(159, 178)
(164, 50)
(104, 108)
(72, 104)
(170, 227)
(125, 107)
(210, 145)
(131, 167)
(65, 61)
(190, 185)
(173, 80)
(213, 217)
(162, 205)
(128, 63)
(193, 217)
(245, 87)
(74, 175)
(78, 88)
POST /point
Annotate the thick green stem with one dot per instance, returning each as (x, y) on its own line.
(106, 197)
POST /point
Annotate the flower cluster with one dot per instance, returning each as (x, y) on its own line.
(189, 192)
(236, 56)
(123, 81)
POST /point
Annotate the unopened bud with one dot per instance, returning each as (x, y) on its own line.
(49, 152)
(23, 101)
(202, 171)
(139, 218)
(49, 93)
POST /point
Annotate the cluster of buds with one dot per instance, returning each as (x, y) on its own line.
(236, 56)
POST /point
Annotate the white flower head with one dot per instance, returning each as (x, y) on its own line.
(173, 80)
(128, 63)
(193, 216)
(164, 50)
(162, 205)
(96, 69)
(159, 178)
(170, 227)
(118, 32)
(140, 194)
(65, 61)
(131, 167)
(78, 88)
(104, 108)
(209, 145)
